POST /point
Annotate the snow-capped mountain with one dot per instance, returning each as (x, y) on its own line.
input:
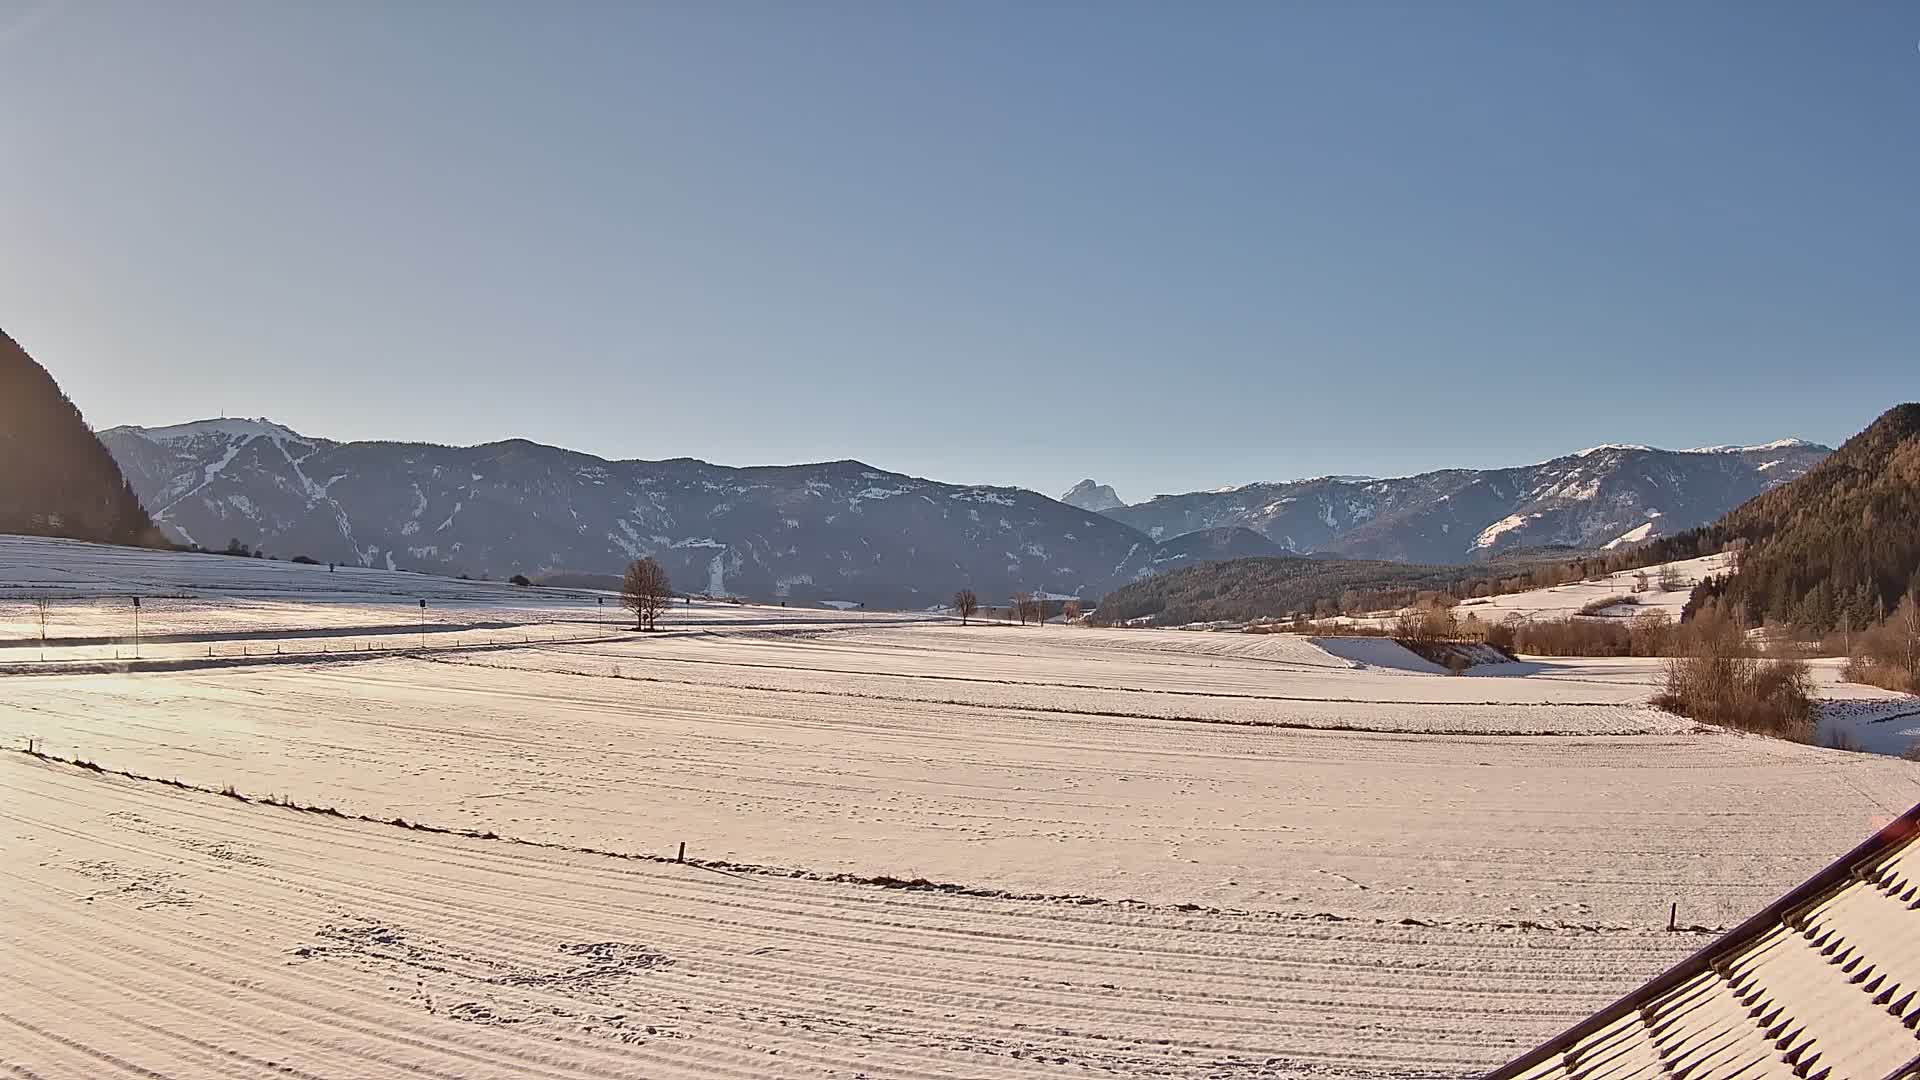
(1088, 495)
(846, 531)
(1604, 496)
(837, 530)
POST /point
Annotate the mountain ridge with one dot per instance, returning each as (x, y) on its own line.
(840, 529)
(1603, 496)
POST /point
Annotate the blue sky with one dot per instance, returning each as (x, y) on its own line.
(1168, 246)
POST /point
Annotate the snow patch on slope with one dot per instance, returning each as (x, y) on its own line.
(1777, 444)
(1492, 533)
(1632, 536)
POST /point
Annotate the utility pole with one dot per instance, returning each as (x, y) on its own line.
(423, 622)
(40, 606)
(136, 628)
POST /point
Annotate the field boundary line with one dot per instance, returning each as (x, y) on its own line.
(751, 871)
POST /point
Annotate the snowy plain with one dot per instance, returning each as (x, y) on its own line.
(1138, 853)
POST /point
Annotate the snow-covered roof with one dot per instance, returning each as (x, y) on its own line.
(1824, 983)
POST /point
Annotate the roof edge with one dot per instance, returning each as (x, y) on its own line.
(1836, 874)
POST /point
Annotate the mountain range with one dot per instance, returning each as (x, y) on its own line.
(1836, 549)
(1602, 497)
(849, 531)
(837, 530)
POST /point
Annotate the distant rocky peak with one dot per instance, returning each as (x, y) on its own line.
(1088, 495)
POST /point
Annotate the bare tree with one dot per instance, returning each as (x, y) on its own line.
(1906, 628)
(966, 603)
(1022, 603)
(1669, 579)
(646, 591)
(1650, 633)
(1071, 611)
(1032, 608)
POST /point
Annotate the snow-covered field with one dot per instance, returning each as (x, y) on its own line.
(1560, 601)
(1165, 854)
(201, 606)
(1563, 601)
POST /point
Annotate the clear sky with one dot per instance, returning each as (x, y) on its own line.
(1170, 246)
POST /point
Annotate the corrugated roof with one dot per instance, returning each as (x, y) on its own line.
(1822, 985)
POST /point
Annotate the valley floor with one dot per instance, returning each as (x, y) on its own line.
(915, 849)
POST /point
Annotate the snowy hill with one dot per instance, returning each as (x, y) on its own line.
(1601, 497)
(1575, 597)
(834, 530)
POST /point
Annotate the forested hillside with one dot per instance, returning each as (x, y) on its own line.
(56, 479)
(1238, 590)
(1837, 548)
